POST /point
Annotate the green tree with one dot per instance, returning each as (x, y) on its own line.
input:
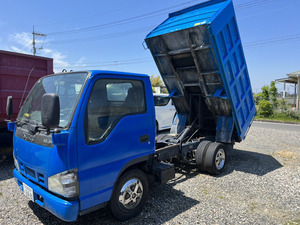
(273, 94)
(257, 98)
(153, 90)
(156, 81)
(265, 93)
(265, 109)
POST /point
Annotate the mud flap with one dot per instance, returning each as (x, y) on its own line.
(224, 129)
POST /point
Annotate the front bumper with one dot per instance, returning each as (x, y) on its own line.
(63, 209)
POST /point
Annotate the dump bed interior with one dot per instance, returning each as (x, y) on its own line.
(199, 54)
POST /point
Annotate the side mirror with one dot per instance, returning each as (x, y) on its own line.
(50, 110)
(9, 107)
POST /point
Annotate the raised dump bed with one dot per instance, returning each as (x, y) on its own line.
(199, 54)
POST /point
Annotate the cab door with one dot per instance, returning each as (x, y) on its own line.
(116, 126)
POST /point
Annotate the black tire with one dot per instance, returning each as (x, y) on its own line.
(215, 158)
(133, 202)
(200, 154)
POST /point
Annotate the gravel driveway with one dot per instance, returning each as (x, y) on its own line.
(260, 186)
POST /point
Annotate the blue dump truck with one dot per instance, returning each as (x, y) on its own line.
(87, 140)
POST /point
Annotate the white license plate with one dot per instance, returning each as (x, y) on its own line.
(28, 192)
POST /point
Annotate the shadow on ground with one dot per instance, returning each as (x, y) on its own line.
(5, 139)
(6, 166)
(244, 161)
(252, 162)
(164, 203)
(6, 159)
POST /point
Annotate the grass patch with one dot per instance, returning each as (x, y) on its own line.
(221, 197)
(283, 117)
(0, 194)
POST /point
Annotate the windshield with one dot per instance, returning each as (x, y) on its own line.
(66, 86)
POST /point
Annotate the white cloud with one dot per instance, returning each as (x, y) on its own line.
(80, 63)
(17, 49)
(58, 60)
(81, 60)
(22, 42)
(46, 51)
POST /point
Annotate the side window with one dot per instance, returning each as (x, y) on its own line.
(109, 101)
(161, 100)
(117, 91)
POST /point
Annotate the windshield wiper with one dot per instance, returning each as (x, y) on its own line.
(33, 126)
(21, 122)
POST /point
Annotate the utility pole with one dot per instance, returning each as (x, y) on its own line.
(34, 34)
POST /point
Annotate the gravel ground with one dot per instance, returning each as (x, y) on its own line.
(261, 185)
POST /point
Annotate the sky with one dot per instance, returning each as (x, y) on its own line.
(109, 35)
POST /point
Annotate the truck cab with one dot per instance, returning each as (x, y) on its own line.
(105, 122)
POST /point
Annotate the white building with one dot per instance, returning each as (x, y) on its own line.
(293, 78)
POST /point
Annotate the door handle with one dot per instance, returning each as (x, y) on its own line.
(144, 138)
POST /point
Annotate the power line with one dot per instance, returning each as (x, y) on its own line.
(104, 36)
(140, 60)
(122, 21)
(87, 17)
(26, 46)
(287, 38)
(134, 19)
(251, 4)
(150, 15)
(114, 63)
(110, 62)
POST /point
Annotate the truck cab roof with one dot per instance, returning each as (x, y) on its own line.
(107, 72)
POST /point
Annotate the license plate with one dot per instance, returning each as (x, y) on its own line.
(28, 192)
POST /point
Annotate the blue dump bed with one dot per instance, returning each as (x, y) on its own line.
(199, 54)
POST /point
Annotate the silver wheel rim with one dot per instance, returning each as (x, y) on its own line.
(220, 159)
(131, 193)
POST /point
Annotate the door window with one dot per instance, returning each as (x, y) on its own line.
(109, 101)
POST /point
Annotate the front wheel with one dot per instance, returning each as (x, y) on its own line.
(129, 195)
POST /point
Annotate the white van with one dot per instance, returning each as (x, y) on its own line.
(164, 111)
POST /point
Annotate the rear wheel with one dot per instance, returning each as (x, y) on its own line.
(200, 154)
(129, 195)
(215, 158)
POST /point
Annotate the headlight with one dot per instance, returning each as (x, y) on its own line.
(16, 162)
(65, 183)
